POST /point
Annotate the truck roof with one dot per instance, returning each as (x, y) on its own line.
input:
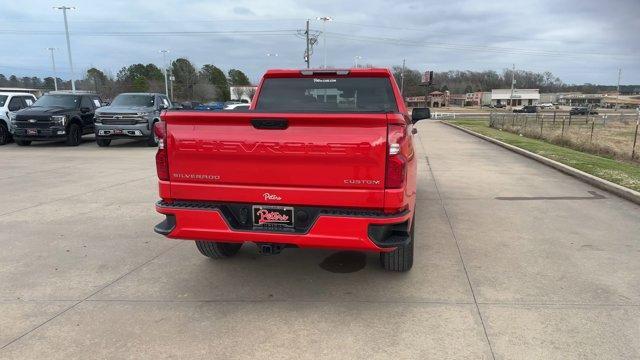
(354, 72)
(140, 93)
(12, 93)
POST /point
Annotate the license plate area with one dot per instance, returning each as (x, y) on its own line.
(272, 217)
(32, 131)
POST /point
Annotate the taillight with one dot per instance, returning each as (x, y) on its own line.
(396, 162)
(162, 161)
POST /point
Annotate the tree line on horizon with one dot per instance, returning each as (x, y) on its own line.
(461, 82)
(208, 83)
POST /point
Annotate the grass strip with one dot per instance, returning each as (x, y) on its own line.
(621, 173)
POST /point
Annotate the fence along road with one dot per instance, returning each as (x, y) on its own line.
(608, 135)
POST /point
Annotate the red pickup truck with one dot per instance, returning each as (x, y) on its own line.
(322, 159)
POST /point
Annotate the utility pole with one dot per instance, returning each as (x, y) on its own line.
(402, 79)
(166, 77)
(53, 63)
(324, 36)
(513, 81)
(618, 89)
(66, 29)
(307, 55)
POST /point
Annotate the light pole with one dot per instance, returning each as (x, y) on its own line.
(272, 55)
(513, 82)
(355, 60)
(402, 79)
(53, 63)
(172, 78)
(164, 65)
(66, 29)
(324, 20)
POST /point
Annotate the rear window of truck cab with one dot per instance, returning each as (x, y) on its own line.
(327, 94)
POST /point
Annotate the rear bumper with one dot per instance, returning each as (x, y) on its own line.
(348, 230)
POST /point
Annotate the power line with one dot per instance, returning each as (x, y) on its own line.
(154, 33)
(449, 33)
(465, 47)
(288, 32)
(136, 21)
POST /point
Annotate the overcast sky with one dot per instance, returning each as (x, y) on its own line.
(580, 41)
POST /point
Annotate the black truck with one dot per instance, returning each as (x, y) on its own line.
(56, 116)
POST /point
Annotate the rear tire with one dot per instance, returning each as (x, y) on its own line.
(74, 137)
(400, 259)
(103, 142)
(152, 141)
(23, 142)
(218, 250)
(5, 136)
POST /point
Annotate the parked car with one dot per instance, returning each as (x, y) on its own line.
(529, 109)
(582, 111)
(237, 106)
(56, 116)
(185, 105)
(211, 106)
(545, 105)
(333, 172)
(11, 102)
(499, 106)
(130, 116)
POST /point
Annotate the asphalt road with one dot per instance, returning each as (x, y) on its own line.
(514, 260)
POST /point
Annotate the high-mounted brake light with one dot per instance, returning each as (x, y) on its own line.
(162, 160)
(396, 162)
(324, 72)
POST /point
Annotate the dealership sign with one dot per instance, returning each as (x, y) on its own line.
(427, 77)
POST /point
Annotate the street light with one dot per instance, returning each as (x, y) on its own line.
(355, 60)
(164, 65)
(53, 63)
(324, 20)
(66, 29)
(269, 55)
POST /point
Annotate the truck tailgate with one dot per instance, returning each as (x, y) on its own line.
(298, 159)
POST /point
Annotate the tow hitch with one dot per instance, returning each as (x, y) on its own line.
(270, 249)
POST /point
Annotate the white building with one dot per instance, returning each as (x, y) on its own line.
(520, 96)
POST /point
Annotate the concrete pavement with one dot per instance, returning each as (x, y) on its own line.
(499, 272)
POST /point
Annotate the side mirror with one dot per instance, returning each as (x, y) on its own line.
(14, 108)
(163, 107)
(419, 114)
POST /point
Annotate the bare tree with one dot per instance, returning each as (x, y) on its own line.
(205, 91)
(239, 92)
(251, 92)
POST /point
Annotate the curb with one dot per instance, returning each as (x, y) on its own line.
(602, 184)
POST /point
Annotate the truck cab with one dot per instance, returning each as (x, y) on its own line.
(130, 116)
(56, 116)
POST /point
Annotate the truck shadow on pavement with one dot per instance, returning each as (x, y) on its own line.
(344, 262)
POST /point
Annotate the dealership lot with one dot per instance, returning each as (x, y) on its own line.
(513, 260)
